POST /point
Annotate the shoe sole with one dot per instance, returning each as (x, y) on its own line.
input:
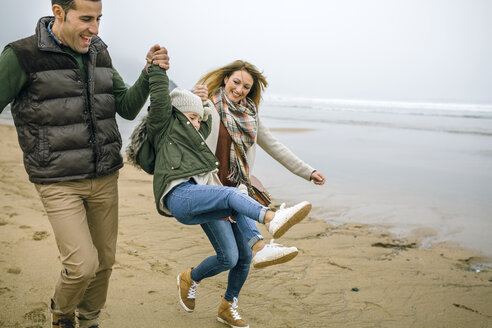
(223, 321)
(280, 260)
(300, 215)
(179, 295)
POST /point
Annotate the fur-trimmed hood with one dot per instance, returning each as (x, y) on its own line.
(137, 139)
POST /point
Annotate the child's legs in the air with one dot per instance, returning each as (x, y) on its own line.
(190, 203)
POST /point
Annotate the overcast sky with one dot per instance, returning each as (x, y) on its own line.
(415, 50)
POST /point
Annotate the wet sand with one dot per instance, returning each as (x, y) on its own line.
(349, 275)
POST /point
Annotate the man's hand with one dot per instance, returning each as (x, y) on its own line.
(159, 55)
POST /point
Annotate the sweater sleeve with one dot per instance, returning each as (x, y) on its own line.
(12, 77)
(281, 153)
(129, 101)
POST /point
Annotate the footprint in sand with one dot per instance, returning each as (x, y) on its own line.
(160, 267)
(14, 270)
(8, 210)
(40, 235)
(36, 315)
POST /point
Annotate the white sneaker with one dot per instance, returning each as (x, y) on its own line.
(286, 217)
(273, 254)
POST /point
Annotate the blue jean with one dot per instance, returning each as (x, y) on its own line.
(202, 204)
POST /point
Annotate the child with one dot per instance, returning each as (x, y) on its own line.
(187, 187)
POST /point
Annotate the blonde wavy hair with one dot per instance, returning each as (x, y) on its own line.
(215, 79)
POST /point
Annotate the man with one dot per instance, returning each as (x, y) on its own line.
(65, 94)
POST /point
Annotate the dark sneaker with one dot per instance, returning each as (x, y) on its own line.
(187, 290)
(228, 314)
(62, 321)
(88, 323)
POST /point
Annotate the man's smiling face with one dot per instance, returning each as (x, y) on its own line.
(76, 27)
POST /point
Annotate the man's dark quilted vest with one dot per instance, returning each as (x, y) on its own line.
(67, 128)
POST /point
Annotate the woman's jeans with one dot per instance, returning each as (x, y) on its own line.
(205, 205)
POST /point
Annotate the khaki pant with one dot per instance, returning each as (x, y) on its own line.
(84, 218)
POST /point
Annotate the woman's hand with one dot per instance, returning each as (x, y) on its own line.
(318, 178)
(201, 91)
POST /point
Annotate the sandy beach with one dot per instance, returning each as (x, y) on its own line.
(349, 275)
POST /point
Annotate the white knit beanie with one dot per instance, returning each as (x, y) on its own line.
(186, 101)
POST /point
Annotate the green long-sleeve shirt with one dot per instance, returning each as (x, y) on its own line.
(129, 101)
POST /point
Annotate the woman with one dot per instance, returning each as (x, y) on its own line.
(235, 90)
(187, 187)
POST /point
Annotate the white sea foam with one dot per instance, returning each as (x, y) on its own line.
(393, 107)
(443, 117)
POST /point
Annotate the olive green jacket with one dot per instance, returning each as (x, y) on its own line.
(180, 149)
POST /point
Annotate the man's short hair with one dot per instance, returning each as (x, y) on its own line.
(66, 4)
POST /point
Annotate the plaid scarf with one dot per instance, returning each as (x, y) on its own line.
(240, 121)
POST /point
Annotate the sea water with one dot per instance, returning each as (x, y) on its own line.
(414, 168)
